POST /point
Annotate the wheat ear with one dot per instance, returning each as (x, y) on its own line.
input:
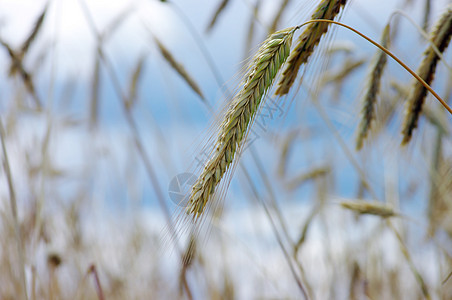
(369, 208)
(440, 36)
(372, 90)
(308, 40)
(241, 112)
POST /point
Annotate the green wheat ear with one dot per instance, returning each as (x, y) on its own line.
(241, 112)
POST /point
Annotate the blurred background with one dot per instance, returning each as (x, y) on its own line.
(106, 107)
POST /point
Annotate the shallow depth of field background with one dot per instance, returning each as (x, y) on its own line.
(87, 201)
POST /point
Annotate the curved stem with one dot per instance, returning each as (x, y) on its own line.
(418, 78)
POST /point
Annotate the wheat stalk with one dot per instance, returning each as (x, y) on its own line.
(372, 90)
(241, 112)
(308, 40)
(440, 36)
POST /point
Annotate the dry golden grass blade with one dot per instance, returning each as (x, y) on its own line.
(356, 279)
(440, 36)
(187, 260)
(337, 78)
(350, 65)
(278, 15)
(136, 75)
(305, 229)
(307, 42)
(116, 23)
(179, 68)
(15, 216)
(285, 148)
(251, 27)
(217, 13)
(16, 62)
(34, 33)
(369, 208)
(369, 101)
(310, 175)
(16, 66)
(420, 280)
(95, 90)
(438, 120)
(427, 10)
(241, 112)
(436, 207)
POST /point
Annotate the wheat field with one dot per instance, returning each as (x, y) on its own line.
(227, 149)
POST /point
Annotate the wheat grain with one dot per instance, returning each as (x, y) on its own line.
(373, 87)
(440, 36)
(308, 40)
(241, 112)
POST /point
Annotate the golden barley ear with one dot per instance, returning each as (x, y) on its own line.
(372, 90)
(440, 37)
(241, 112)
(307, 42)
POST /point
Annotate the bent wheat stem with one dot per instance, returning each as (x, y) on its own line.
(241, 112)
(401, 63)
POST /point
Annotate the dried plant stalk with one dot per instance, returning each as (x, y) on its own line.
(278, 15)
(133, 87)
(308, 40)
(241, 112)
(440, 36)
(349, 66)
(34, 32)
(369, 208)
(179, 68)
(95, 91)
(17, 66)
(373, 88)
(312, 174)
(217, 13)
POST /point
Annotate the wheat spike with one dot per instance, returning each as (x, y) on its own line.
(241, 112)
(369, 208)
(308, 40)
(373, 88)
(179, 68)
(440, 37)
